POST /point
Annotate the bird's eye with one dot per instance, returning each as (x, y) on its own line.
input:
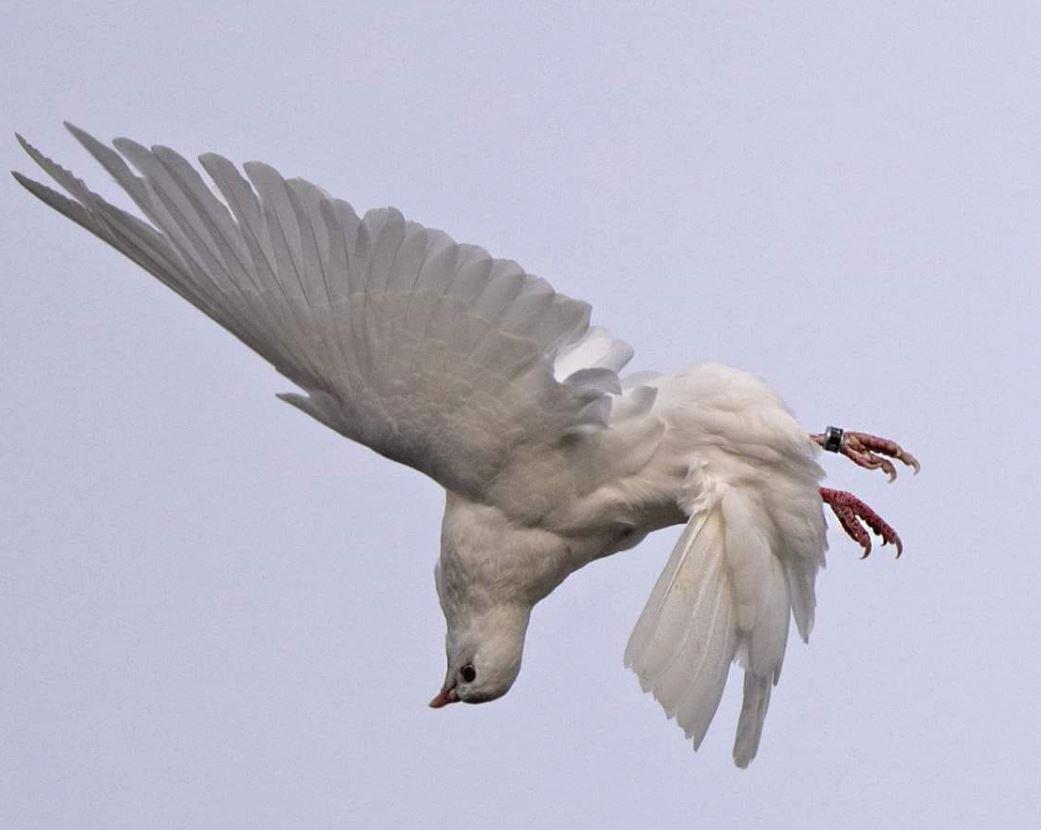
(469, 673)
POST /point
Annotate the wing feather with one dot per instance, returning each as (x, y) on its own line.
(430, 352)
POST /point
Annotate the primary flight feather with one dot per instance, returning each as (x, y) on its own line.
(439, 356)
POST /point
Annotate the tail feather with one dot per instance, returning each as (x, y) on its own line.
(723, 597)
(750, 722)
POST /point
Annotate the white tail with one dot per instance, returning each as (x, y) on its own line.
(723, 596)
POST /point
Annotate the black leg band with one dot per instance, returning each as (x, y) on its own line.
(833, 439)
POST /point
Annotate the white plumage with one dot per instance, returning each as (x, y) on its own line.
(438, 356)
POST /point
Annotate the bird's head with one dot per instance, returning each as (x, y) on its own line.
(490, 575)
(484, 651)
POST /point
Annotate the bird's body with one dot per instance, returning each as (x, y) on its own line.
(708, 427)
(479, 375)
(712, 433)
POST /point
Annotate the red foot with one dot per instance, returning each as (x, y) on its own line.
(867, 451)
(851, 511)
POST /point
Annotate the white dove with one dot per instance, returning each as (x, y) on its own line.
(470, 370)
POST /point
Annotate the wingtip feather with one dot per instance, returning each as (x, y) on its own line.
(38, 189)
(34, 154)
(77, 132)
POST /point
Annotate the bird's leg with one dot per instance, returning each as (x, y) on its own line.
(865, 450)
(872, 453)
(851, 511)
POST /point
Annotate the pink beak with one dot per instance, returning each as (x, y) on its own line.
(444, 697)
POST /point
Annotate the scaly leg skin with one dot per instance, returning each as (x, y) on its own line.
(868, 451)
(872, 453)
(851, 511)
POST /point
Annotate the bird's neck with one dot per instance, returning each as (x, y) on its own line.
(487, 560)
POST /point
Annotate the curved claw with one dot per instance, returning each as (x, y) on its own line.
(870, 451)
(864, 443)
(870, 461)
(848, 519)
(851, 511)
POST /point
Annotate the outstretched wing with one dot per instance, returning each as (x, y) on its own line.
(430, 352)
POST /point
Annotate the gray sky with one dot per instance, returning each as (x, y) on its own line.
(214, 612)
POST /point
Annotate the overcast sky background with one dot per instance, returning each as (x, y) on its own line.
(216, 613)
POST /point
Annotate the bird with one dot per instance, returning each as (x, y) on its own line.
(465, 367)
